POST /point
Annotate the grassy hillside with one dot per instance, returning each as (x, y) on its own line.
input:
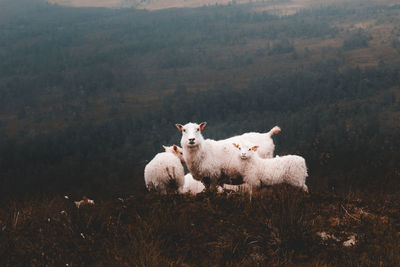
(164, 4)
(62, 66)
(143, 4)
(281, 7)
(278, 226)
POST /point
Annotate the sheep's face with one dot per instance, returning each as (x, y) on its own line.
(176, 150)
(245, 151)
(191, 134)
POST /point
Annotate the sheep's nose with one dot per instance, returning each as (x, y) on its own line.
(191, 139)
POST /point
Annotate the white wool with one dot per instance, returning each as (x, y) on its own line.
(206, 158)
(176, 150)
(290, 169)
(163, 168)
(191, 185)
(215, 159)
(263, 140)
(211, 159)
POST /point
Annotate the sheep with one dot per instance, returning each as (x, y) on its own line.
(214, 160)
(191, 185)
(205, 159)
(164, 168)
(263, 140)
(176, 150)
(290, 169)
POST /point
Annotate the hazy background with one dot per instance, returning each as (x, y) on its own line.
(88, 95)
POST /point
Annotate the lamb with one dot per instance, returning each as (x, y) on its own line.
(176, 150)
(191, 185)
(263, 140)
(164, 168)
(214, 160)
(290, 169)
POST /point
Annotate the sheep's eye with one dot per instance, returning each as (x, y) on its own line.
(249, 149)
(184, 130)
(198, 129)
(181, 153)
(240, 148)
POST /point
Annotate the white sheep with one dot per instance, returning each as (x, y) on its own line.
(214, 159)
(176, 150)
(263, 140)
(290, 169)
(164, 168)
(191, 185)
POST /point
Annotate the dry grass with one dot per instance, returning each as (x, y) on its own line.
(149, 5)
(279, 226)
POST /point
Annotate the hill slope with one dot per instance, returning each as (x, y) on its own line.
(280, 226)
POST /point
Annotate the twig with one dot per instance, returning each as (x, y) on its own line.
(15, 220)
(355, 218)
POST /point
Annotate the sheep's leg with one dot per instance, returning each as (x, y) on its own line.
(232, 187)
(224, 179)
(239, 188)
(298, 184)
(207, 182)
(172, 184)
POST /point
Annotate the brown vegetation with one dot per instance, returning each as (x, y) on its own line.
(279, 226)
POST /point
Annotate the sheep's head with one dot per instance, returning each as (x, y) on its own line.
(191, 134)
(245, 151)
(176, 150)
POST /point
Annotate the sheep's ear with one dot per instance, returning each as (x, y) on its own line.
(165, 147)
(203, 125)
(175, 148)
(254, 148)
(179, 126)
(235, 145)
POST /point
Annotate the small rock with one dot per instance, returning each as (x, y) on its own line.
(350, 242)
(84, 201)
(325, 236)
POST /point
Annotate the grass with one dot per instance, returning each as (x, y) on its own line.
(278, 226)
